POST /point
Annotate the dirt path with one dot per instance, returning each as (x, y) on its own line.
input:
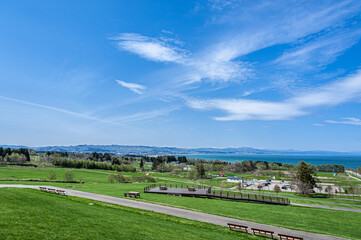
(183, 213)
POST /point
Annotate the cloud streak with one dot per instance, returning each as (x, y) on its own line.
(348, 121)
(136, 88)
(159, 50)
(336, 93)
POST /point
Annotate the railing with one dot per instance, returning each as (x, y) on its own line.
(183, 186)
(221, 194)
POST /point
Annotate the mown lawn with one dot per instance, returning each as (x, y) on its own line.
(332, 222)
(31, 214)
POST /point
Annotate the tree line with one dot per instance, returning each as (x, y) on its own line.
(331, 168)
(69, 163)
(14, 155)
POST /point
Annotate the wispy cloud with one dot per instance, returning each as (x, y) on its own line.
(160, 50)
(143, 116)
(136, 88)
(336, 93)
(315, 35)
(56, 109)
(243, 109)
(194, 68)
(320, 51)
(318, 124)
(349, 120)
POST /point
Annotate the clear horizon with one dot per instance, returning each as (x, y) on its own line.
(189, 74)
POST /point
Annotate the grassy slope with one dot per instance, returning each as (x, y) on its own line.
(31, 214)
(308, 219)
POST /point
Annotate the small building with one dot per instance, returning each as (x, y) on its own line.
(221, 174)
(235, 179)
(186, 168)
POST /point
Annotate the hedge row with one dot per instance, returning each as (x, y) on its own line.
(68, 163)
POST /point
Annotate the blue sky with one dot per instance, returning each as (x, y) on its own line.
(216, 73)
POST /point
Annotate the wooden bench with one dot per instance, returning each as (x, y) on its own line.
(236, 227)
(163, 188)
(288, 237)
(51, 190)
(43, 189)
(263, 232)
(132, 194)
(192, 189)
(60, 192)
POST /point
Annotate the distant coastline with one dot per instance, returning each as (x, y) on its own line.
(349, 161)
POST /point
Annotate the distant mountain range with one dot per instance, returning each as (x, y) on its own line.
(147, 150)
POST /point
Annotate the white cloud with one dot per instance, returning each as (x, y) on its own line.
(349, 120)
(218, 67)
(136, 88)
(316, 29)
(242, 109)
(336, 93)
(150, 48)
(319, 51)
(318, 124)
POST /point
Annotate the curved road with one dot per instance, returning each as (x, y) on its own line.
(183, 213)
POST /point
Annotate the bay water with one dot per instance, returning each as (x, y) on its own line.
(349, 161)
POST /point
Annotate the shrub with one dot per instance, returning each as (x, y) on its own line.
(118, 178)
(68, 176)
(52, 175)
(112, 179)
(144, 178)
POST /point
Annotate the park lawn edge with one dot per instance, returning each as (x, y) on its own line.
(235, 217)
(148, 213)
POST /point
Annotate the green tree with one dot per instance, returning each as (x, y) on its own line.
(68, 176)
(200, 170)
(303, 178)
(141, 164)
(192, 174)
(15, 157)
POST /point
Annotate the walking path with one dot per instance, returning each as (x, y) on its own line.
(327, 207)
(353, 177)
(183, 213)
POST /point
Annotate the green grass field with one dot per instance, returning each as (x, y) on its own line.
(332, 222)
(31, 214)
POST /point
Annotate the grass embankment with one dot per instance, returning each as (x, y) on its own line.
(332, 222)
(31, 214)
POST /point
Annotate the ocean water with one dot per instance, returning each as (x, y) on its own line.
(349, 161)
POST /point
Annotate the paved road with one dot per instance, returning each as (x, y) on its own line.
(183, 213)
(353, 177)
(327, 207)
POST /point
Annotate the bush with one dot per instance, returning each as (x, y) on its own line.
(52, 175)
(144, 178)
(118, 178)
(68, 176)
